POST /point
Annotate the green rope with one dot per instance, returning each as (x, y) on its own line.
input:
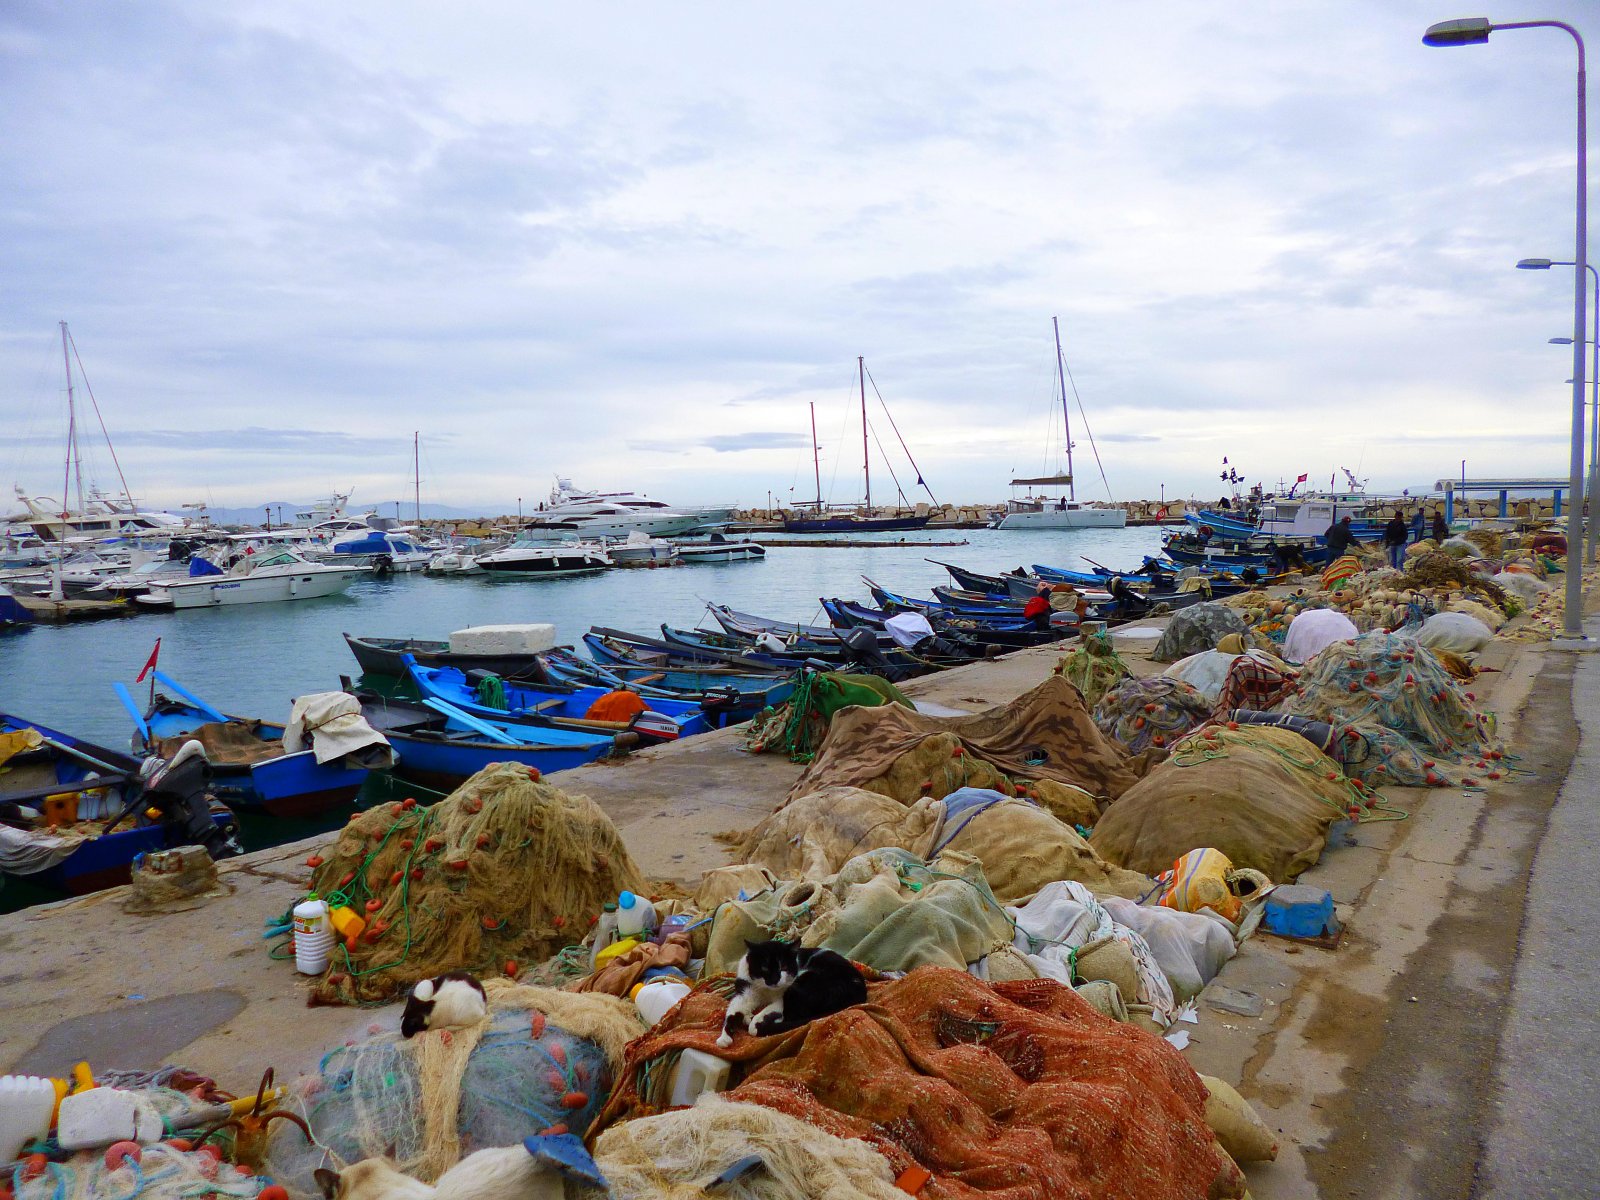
(491, 692)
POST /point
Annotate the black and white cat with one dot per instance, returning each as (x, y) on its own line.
(453, 1000)
(781, 986)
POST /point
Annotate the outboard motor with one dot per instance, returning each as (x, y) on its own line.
(383, 566)
(720, 704)
(178, 790)
(1128, 601)
(863, 653)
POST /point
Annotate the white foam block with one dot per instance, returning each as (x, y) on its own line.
(503, 639)
(102, 1115)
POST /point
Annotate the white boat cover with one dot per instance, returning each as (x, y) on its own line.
(503, 639)
(332, 725)
(26, 852)
(907, 629)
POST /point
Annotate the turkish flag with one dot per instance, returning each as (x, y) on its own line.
(151, 665)
(1302, 479)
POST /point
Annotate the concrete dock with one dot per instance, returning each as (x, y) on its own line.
(1437, 1052)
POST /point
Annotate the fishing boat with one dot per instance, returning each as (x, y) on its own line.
(267, 577)
(386, 656)
(440, 748)
(581, 709)
(252, 763)
(74, 815)
(529, 559)
(724, 696)
(1055, 505)
(12, 614)
(865, 519)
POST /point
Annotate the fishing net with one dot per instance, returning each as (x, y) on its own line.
(1254, 680)
(1018, 1090)
(1264, 797)
(1093, 667)
(1192, 630)
(1046, 733)
(162, 1172)
(798, 726)
(1421, 727)
(1439, 570)
(502, 871)
(542, 1061)
(671, 1156)
(1154, 712)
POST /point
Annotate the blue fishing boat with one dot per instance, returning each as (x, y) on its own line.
(725, 696)
(439, 746)
(575, 708)
(48, 777)
(250, 767)
(12, 614)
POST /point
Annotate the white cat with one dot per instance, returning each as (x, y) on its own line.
(536, 1170)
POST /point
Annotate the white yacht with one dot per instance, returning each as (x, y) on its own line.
(384, 551)
(573, 512)
(640, 550)
(530, 558)
(100, 515)
(253, 579)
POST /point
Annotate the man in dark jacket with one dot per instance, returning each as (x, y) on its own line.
(1394, 539)
(1339, 536)
(1440, 529)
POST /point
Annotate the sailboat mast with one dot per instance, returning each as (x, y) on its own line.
(866, 462)
(416, 472)
(816, 453)
(1066, 415)
(72, 437)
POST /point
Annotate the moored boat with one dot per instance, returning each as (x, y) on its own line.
(272, 575)
(532, 560)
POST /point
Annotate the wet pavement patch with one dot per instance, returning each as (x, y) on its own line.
(133, 1036)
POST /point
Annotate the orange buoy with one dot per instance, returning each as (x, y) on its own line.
(315, 861)
(574, 1099)
(511, 968)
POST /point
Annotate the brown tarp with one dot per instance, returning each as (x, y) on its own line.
(1046, 733)
(230, 744)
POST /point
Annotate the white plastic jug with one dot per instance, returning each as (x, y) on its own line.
(26, 1105)
(696, 1074)
(313, 937)
(656, 998)
(635, 915)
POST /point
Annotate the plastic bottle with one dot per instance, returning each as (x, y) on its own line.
(605, 932)
(656, 999)
(313, 937)
(26, 1105)
(635, 915)
(697, 1073)
(671, 925)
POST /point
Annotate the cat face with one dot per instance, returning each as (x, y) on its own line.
(770, 962)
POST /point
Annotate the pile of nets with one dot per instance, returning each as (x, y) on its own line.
(543, 1061)
(797, 727)
(1264, 796)
(1020, 1088)
(1093, 667)
(504, 871)
(1420, 725)
(1439, 570)
(162, 1172)
(1045, 733)
(1194, 629)
(1154, 712)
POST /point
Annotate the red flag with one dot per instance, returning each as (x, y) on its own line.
(1302, 479)
(151, 665)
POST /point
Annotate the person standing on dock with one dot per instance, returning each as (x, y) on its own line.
(1394, 539)
(1339, 535)
(1416, 525)
(1440, 529)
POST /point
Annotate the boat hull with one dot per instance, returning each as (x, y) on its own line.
(385, 656)
(853, 524)
(215, 591)
(1072, 518)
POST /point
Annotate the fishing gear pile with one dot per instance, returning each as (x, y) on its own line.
(505, 871)
(1151, 713)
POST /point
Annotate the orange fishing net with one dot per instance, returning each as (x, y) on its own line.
(1009, 1091)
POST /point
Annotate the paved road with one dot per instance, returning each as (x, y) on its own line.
(1544, 1136)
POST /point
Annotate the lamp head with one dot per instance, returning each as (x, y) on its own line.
(1533, 264)
(1468, 31)
(1561, 341)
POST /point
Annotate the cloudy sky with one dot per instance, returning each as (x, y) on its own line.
(631, 243)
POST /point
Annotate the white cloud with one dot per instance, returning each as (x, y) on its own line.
(633, 244)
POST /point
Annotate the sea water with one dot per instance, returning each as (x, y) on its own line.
(253, 660)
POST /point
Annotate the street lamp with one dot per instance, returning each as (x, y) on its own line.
(1593, 528)
(1468, 32)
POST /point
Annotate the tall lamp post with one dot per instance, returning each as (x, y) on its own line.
(1472, 31)
(1593, 527)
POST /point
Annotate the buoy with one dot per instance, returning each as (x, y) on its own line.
(394, 880)
(533, 774)
(408, 802)
(405, 844)
(472, 804)
(511, 968)
(374, 905)
(558, 922)
(483, 840)
(556, 1130)
(273, 1191)
(457, 864)
(417, 873)
(34, 1167)
(315, 861)
(559, 1053)
(433, 844)
(574, 1100)
(536, 1025)
(118, 1151)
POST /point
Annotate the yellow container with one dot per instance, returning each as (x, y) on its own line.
(609, 952)
(1200, 880)
(347, 922)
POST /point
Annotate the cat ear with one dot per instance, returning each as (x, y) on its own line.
(328, 1181)
(423, 991)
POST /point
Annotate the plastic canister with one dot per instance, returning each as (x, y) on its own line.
(606, 953)
(347, 923)
(656, 998)
(313, 936)
(635, 915)
(605, 932)
(696, 1074)
(27, 1102)
(1200, 880)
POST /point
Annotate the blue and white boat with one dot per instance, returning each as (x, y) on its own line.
(251, 767)
(46, 774)
(662, 719)
(725, 696)
(381, 549)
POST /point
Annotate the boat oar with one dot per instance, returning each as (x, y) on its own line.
(491, 732)
(186, 694)
(74, 752)
(133, 710)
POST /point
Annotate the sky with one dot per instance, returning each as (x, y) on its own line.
(632, 244)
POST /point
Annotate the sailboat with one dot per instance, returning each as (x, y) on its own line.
(822, 521)
(1042, 510)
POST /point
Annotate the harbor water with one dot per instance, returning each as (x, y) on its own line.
(253, 660)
